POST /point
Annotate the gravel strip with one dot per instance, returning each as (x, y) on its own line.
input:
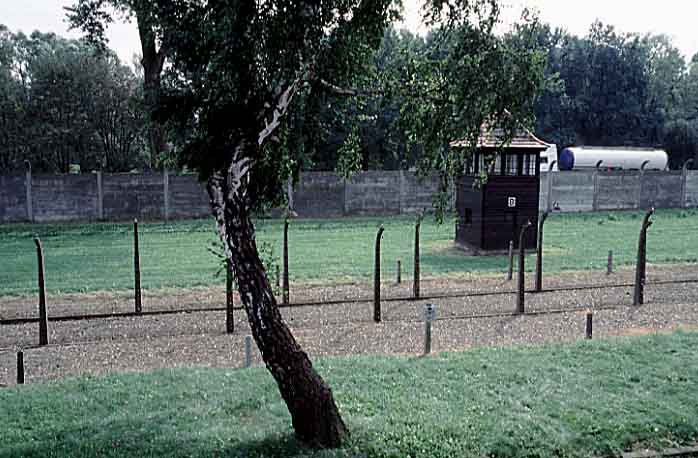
(198, 339)
(392, 337)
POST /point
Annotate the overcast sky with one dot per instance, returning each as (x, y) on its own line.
(676, 18)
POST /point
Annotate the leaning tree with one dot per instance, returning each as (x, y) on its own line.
(237, 68)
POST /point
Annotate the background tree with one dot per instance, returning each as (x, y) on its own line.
(93, 16)
(64, 104)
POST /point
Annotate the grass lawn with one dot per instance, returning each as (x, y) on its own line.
(92, 257)
(588, 399)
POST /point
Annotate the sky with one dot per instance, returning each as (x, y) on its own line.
(676, 18)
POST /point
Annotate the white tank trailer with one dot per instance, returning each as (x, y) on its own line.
(615, 158)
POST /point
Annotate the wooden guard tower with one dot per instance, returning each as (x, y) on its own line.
(492, 214)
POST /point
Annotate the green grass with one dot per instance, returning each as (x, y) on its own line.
(588, 399)
(90, 257)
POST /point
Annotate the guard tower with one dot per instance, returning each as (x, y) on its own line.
(491, 214)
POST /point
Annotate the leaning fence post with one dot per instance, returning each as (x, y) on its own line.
(136, 269)
(641, 268)
(20, 367)
(510, 272)
(28, 191)
(539, 253)
(229, 319)
(285, 297)
(377, 278)
(549, 204)
(43, 315)
(415, 286)
(522, 257)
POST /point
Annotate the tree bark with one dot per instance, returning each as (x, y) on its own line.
(314, 414)
(152, 63)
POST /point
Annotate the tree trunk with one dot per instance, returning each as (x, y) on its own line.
(314, 414)
(152, 62)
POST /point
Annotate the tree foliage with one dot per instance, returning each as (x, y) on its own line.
(614, 89)
(63, 104)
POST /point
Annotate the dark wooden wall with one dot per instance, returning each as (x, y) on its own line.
(501, 223)
(469, 232)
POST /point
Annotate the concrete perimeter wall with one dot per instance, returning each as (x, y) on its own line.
(96, 196)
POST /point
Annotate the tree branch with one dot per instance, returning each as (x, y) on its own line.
(347, 92)
(282, 104)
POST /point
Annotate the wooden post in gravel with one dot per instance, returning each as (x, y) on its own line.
(136, 269)
(20, 368)
(510, 273)
(522, 256)
(229, 319)
(285, 297)
(377, 278)
(43, 315)
(415, 285)
(539, 253)
(641, 268)
(589, 329)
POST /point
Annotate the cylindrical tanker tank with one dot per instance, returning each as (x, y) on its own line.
(585, 157)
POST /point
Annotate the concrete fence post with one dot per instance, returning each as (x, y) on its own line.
(641, 179)
(550, 175)
(415, 279)
(285, 282)
(345, 197)
(684, 183)
(289, 193)
(641, 268)
(522, 261)
(28, 190)
(20, 367)
(377, 278)
(43, 315)
(510, 271)
(248, 351)
(100, 196)
(229, 304)
(166, 192)
(138, 306)
(595, 198)
(539, 253)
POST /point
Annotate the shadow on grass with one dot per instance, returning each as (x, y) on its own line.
(131, 440)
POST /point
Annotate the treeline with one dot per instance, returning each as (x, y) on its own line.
(63, 104)
(615, 89)
(604, 89)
